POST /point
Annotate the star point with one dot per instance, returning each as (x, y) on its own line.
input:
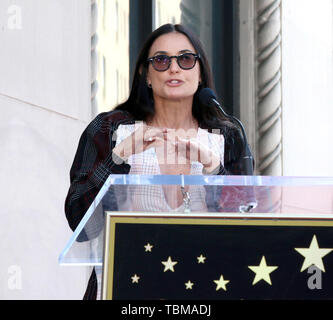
(169, 264)
(313, 255)
(262, 271)
(221, 283)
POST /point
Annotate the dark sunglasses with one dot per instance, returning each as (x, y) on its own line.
(185, 61)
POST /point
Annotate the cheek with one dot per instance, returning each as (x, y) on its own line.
(195, 74)
(155, 77)
(194, 78)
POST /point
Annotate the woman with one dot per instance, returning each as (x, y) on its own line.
(162, 116)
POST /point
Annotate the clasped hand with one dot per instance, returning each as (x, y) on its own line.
(174, 146)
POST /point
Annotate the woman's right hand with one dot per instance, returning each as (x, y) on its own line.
(143, 138)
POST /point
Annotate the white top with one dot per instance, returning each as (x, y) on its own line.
(152, 198)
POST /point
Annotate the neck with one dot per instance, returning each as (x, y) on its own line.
(174, 115)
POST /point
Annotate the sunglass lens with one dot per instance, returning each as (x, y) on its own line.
(186, 61)
(161, 62)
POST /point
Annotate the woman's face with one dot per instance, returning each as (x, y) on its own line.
(175, 83)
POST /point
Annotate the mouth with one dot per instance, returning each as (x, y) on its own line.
(174, 82)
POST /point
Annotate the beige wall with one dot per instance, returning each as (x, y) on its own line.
(45, 105)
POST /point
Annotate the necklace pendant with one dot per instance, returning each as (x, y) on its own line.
(186, 200)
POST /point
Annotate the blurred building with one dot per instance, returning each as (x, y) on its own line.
(166, 12)
(113, 53)
(113, 46)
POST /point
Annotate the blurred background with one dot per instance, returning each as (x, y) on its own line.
(64, 61)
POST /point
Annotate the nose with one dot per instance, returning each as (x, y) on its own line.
(174, 67)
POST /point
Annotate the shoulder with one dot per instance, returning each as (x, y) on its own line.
(232, 134)
(110, 120)
(113, 117)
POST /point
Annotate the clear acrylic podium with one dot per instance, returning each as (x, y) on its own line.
(254, 237)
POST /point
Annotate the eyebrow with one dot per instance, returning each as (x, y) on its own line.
(165, 52)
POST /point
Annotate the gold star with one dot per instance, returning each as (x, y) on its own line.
(201, 259)
(313, 255)
(189, 285)
(168, 265)
(148, 247)
(135, 279)
(262, 271)
(221, 283)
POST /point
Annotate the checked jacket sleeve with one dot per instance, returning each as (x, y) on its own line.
(93, 163)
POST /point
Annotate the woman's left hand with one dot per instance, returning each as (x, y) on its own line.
(189, 149)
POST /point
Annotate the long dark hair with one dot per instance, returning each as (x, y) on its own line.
(140, 103)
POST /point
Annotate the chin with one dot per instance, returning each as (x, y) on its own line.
(179, 95)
